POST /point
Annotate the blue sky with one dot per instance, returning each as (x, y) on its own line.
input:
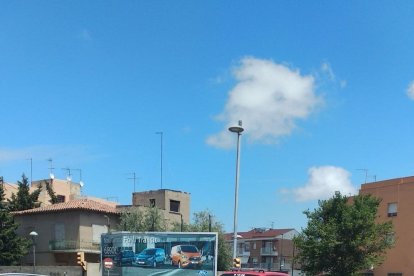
(324, 90)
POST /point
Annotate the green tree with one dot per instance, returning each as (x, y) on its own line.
(51, 193)
(12, 247)
(24, 200)
(203, 222)
(142, 220)
(342, 236)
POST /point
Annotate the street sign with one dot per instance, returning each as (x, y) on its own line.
(108, 263)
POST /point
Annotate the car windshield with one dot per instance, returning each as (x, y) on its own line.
(189, 248)
(149, 251)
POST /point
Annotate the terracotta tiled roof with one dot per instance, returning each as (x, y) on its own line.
(77, 204)
(258, 234)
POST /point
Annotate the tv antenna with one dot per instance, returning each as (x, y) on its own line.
(80, 177)
(68, 176)
(366, 174)
(133, 178)
(51, 175)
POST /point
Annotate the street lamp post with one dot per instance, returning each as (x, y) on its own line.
(281, 254)
(34, 235)
(236, 129)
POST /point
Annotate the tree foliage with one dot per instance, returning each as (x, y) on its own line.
(12, 247)
(342, 236)
(24, 200)
(53, 198)
(142, 220)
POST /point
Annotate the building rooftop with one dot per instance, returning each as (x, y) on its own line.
(77, 204)
(259, 233)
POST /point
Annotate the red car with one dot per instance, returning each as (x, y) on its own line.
(243, 272)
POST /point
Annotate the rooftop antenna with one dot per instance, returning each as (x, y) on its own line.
(68, 176)
(366, 174)
(52, 176)
(80, 177)
(133, 178)
(161, 134)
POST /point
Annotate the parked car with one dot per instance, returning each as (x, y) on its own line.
(151, 257)
(185, 256)
(124, 258)
(248, 272)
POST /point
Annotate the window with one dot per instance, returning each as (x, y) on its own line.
(152, 202)
(174, 206)
(60, 198)
(247, 246)
(392, 209)
(254, 245)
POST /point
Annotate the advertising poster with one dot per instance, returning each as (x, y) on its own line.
(159, 253)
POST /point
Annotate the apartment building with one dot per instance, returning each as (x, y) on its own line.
(269, 249)
(397, 205)
(66, 228)
(175, 204)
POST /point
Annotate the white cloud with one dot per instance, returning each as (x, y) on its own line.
(269, 98)
(410, 91)
(323, 182)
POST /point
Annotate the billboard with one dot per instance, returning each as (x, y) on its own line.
(159, 253)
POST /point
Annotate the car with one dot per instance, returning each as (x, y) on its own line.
(252, 272)
(150, 257)
(185, 256)
(124, 258)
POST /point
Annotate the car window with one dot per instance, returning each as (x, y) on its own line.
(189, 249)
(149, 251)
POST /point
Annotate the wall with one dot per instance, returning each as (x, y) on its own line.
(399, 258)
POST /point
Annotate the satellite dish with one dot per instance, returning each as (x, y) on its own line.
(81, 183)
(52, 176)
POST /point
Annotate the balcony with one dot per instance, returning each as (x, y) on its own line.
(71, 246)
(268, 251)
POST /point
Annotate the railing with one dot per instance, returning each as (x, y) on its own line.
(268, 251)
(73, 245)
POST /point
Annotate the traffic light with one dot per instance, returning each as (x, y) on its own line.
(81, 259)
(236, 263)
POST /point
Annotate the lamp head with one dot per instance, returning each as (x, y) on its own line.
(237, 129)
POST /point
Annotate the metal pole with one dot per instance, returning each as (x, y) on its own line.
(181, 222)
(281, 254)
(34, 257)
(236, 195)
